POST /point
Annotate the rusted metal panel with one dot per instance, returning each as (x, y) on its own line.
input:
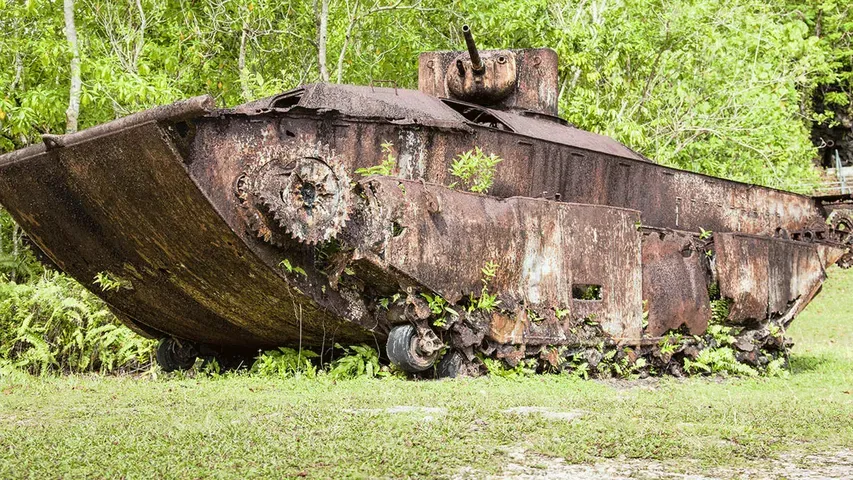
(530, 167)
(765, 276)
(132, 211)
(542, 248)
(537, 127)
(173, 113)
(675, 284)
(386, 103)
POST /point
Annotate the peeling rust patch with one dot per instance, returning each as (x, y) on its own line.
(675, 283)
(764, 277)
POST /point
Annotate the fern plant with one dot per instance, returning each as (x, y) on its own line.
(285, 362)
(360, 360)
(55, 325)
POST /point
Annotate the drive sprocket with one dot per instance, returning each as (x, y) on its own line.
(305, 194)
(841, 224)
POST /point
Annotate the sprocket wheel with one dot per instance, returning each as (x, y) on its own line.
(841, 224)
(306, 194)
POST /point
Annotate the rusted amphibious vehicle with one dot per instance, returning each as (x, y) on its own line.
(222, 231)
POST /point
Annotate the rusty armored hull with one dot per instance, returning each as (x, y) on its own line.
(237, 229)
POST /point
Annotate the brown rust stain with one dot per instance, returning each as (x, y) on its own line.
(765, 276)
(675, 283)
(542, 249)
(134, 204)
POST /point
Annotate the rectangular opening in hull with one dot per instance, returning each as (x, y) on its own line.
(583, 291)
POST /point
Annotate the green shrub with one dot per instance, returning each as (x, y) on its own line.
(360, 360)
(475, 170)
(285, 362)
(53, 324)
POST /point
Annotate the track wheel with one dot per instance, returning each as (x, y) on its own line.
(175, 355)
(404, 350)
(450, 365)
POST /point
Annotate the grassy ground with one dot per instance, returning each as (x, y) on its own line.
(239, 427)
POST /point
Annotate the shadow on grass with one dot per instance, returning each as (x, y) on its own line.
(808, 363)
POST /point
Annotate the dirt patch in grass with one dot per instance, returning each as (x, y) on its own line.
(545, 412)
(525, 465)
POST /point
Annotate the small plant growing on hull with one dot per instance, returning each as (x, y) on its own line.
(486, 301)
(439, 306)
(386, 168)
(533, 316)
(670, 343)
(112, 283)
(385, 302)
(285, 264)
(475, 170)
(719, 310)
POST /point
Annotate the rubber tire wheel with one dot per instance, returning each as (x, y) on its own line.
(170, 357)
(450, 365)
(402, 350)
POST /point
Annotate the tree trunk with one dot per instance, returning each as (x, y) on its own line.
(73, 110)
(16, 242)
(353, 20)
(241, 65)
(322, 33)
(19, 71)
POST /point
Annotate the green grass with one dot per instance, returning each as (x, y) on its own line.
(239, 427)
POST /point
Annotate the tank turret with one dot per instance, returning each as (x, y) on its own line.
(523, 79)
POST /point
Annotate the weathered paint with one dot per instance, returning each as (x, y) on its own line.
(764, 277)
(541, 248)
(675, 283)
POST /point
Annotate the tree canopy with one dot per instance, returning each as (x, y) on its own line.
(725, 89)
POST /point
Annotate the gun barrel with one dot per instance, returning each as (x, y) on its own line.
(476, 62)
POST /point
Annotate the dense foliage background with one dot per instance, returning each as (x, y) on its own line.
(733, 89)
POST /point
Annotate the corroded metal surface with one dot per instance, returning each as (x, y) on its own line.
(764, 277)
(444, 238)
(675, 283)
(557, 163)
(537, 77)
(306, 194)
(133, 212)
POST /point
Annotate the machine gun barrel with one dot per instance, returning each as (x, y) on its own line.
(476, 62)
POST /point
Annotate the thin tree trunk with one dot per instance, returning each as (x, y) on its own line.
(19, 71)
(322, 33)
(140, 42)
(73, 111)
(347, 35)
(241, 65)
(16, 241)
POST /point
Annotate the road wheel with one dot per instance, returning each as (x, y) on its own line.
(175, 355)
(403, 350)
(450, 365)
